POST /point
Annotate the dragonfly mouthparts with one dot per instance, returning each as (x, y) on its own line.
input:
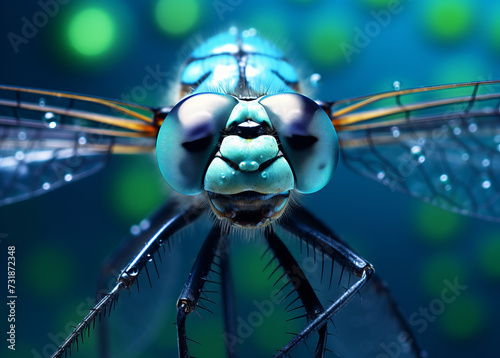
(249, 209)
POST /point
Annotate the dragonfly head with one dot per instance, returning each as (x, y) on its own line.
(248, 156)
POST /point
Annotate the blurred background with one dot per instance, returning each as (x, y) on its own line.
(133, 50)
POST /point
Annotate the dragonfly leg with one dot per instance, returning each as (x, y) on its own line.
(384, 327)
(312, 232)
(130, 273)
(190, 295)
(117, 259)
(310, 301)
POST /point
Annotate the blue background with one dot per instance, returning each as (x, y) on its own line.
(62, 237)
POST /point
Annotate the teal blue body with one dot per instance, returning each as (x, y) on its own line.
(239, 63)
(242, 133)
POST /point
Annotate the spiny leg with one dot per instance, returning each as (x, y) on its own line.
(301, 285)
(336, 250)
(125, 250)
(190, 295)
(385, 325)
(130, 273)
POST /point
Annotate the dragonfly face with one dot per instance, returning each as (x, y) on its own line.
(248, 155)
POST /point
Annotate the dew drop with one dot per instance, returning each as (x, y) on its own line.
(416, 149)
(68, 177)
(421, 159)
(144, 224)
(443, 178)
(264, 175)
(249, 33)
(486, 162)
(19, 155)
(447, 187)
(396, 85)
(41, 102)
(472, 127)
(457, 131)
(465, 157)
(315, 79)
(46, 186)
(380, 175)
(135, 230)
(82, 140)
(51, 119)
(134, 271)
(486, 184)
(395, 131)
(21, 135)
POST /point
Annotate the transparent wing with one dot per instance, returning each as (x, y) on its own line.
(48, 139)
(441, 144)
(372, 326)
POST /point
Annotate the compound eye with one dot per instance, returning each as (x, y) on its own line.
(188, 139)
(307, 136)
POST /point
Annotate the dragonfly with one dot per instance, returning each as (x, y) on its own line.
(241, 146)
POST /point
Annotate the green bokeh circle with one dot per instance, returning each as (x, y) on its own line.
(449, 20)
(91, 32)
(50, 271)
(328, 42)
(137, 189)
(437, 226)
(489, 254)
(177, 17)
